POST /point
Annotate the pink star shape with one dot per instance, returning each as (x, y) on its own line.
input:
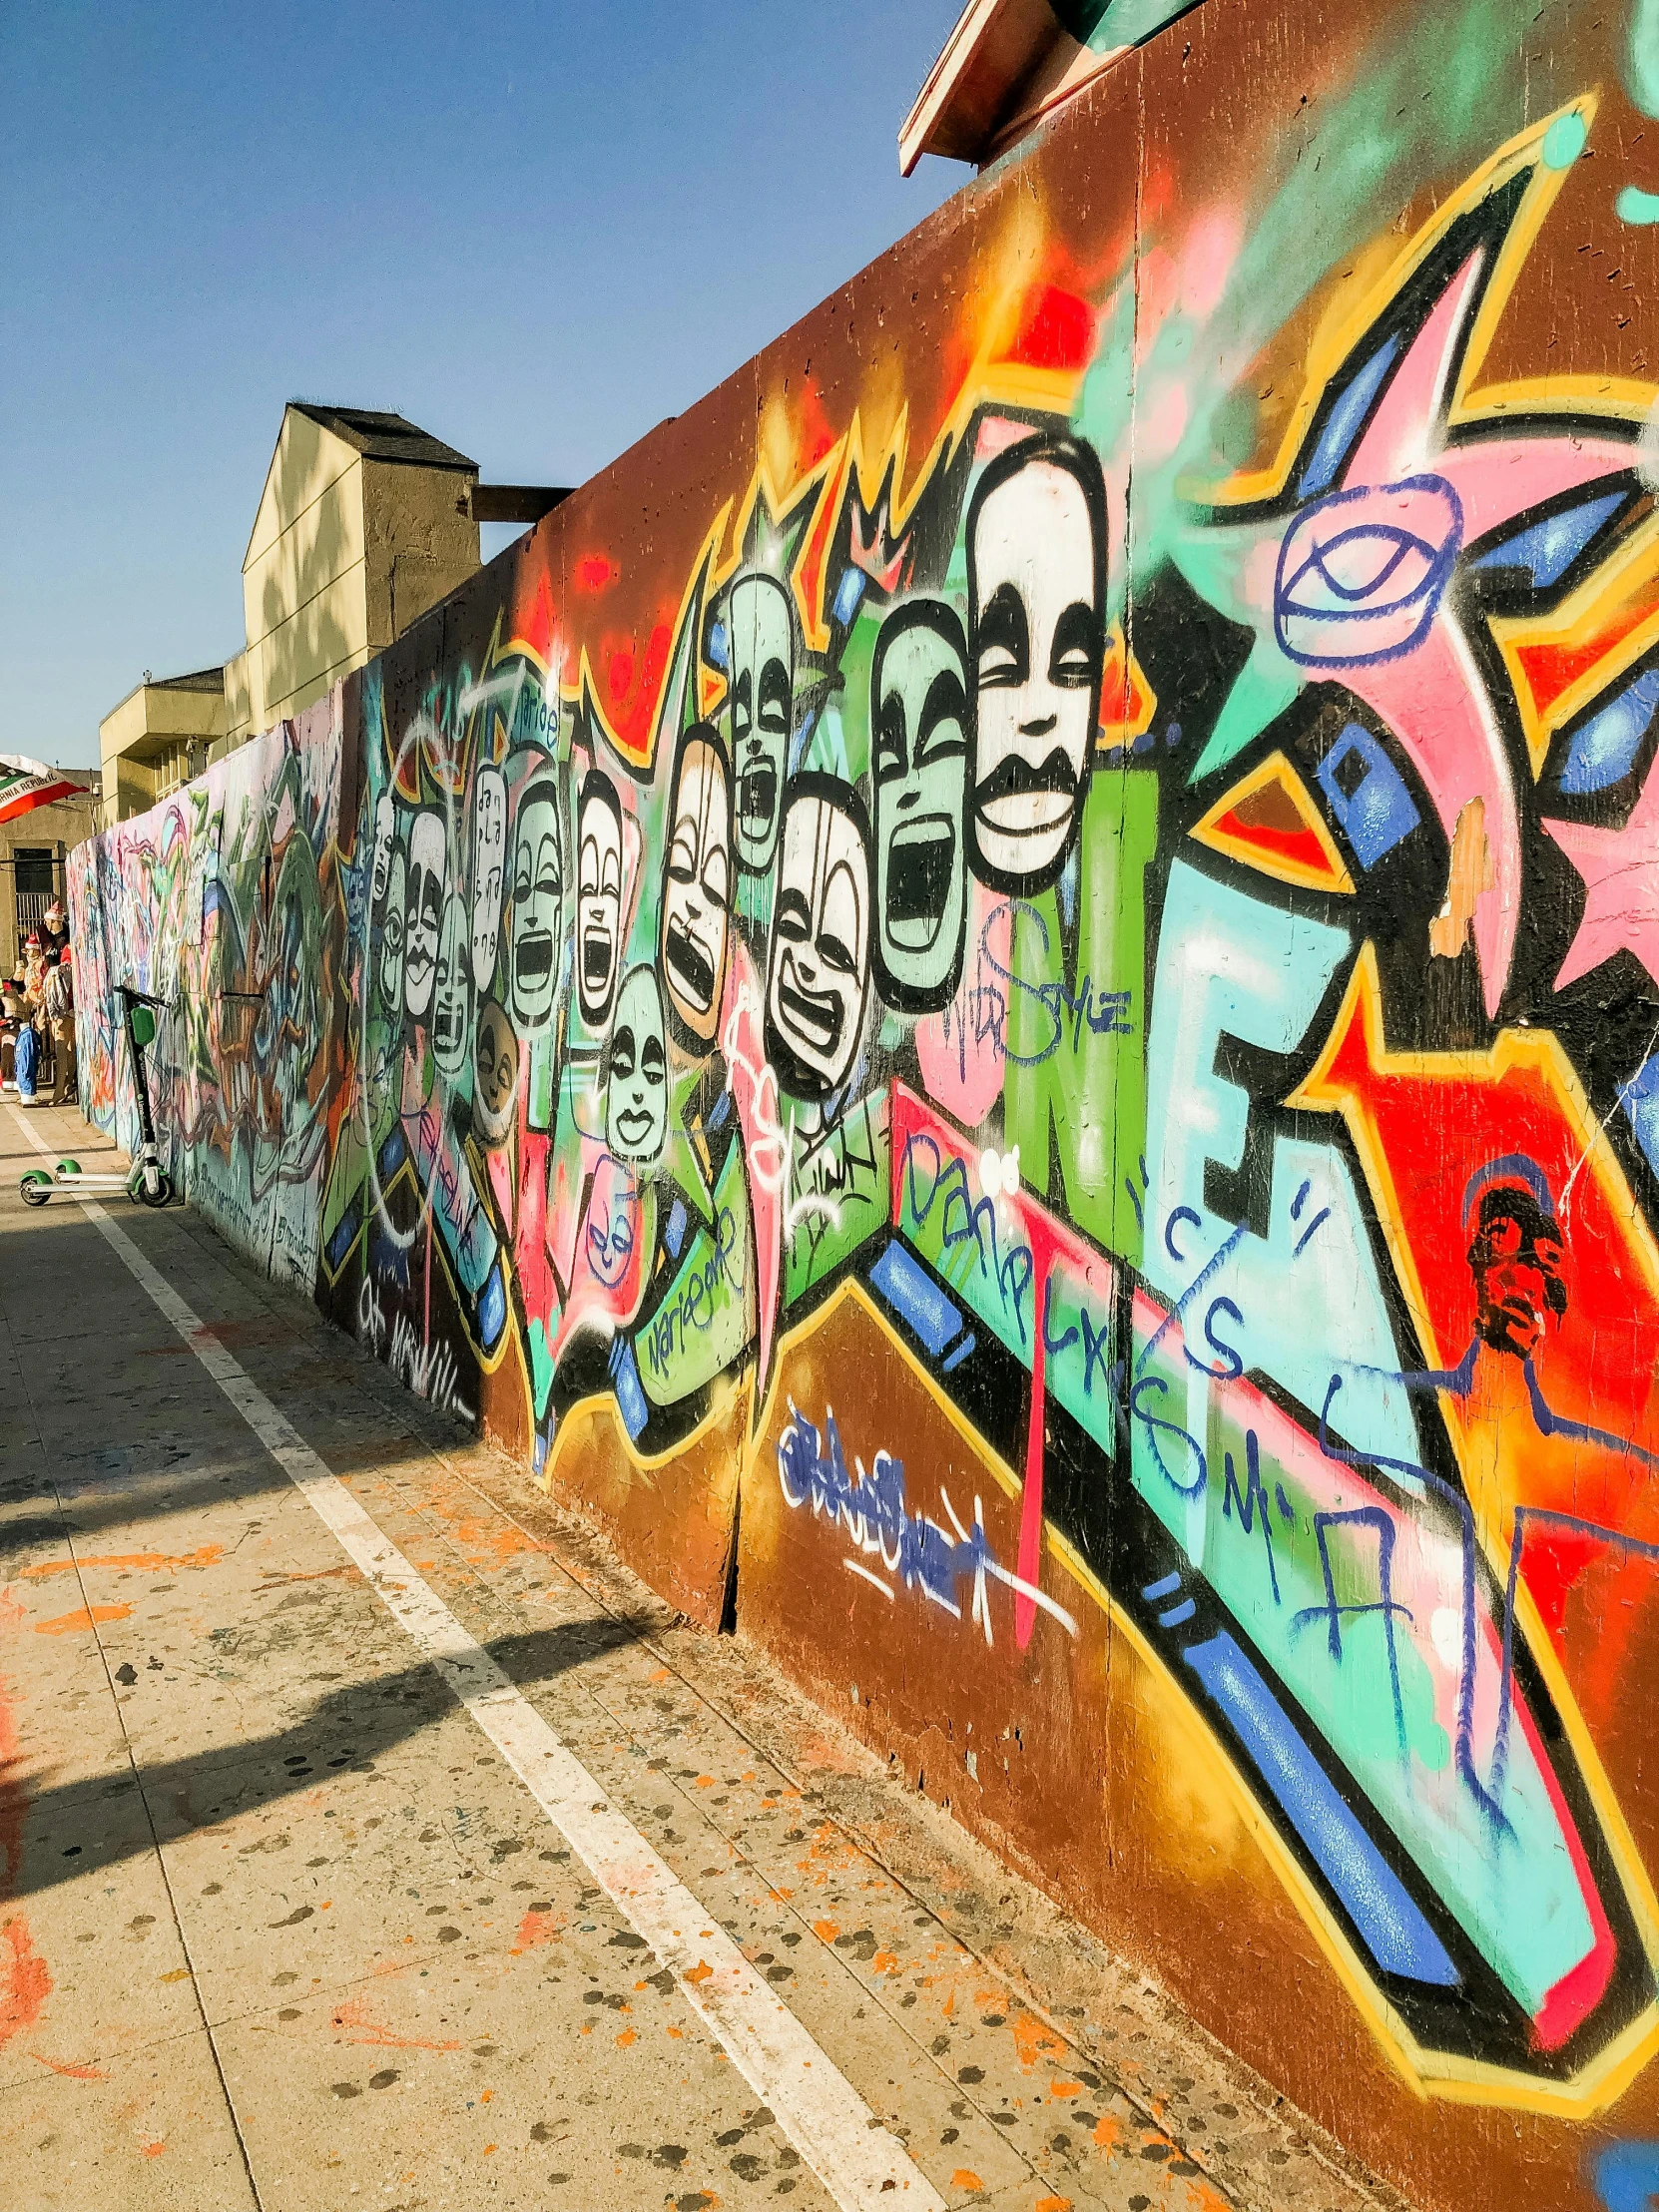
(1620, 869)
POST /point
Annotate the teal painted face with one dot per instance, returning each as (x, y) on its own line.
(762, 643)
(919, 724)
(636, 1090)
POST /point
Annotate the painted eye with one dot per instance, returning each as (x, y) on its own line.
(790, 918)
(682, 853)
(716, 879)
(890, 762)
(1076, 653)
(944, 718)
(1002, 647)
(653, 1065)
(622, 1054)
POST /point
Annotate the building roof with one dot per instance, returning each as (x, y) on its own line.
(1009, 63)
(384, 437)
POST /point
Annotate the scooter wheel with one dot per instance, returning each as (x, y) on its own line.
(69, 1167)
(161, 1196)
(34, 1187)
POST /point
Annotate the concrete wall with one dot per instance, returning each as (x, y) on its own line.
(1001, 997)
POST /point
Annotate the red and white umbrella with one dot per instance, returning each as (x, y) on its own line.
(25, 784)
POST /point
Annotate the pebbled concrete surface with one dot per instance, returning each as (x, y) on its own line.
(278, 1927)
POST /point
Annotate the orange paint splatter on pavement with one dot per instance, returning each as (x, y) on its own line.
(1201, 2198)
(70, 2071)
(352, 2019)
(1065, 2088)
(700, 1972)
(627, 2036)
(965, 2178)
(704, 1782)
(1034, 2041)
(151, 2150)
(536, 1929)
(660, 1673)
(77, 1624)
(1107, 2131)
(12, 1614)
(25, 1979)
(885, 1961)
(1052, 2204)
(826, 1930)
(133, 1562)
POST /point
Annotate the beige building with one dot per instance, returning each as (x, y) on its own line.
(164, 731)
(32, 851)
(363, 524)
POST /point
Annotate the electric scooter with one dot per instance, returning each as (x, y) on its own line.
(146, 1182)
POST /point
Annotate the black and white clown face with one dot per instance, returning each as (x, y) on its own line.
(452, 1003)
(1036, 549)
(489, 862)
(391, 940)
(385, 828)
(423, 911)
(919, 720)
(696, 885)
(818, 974)
(761, 645)
(598, 897)
(636, 1082)
(538, 906)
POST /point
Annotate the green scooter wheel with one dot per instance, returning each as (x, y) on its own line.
(69, 1167)
(34, 1187)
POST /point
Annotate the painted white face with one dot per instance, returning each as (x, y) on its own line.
(820, 967)
(386, 823)
(598, 898)
(762, 643)
(538, 906)
(452, 1005)
(635, 1088)
(489, 859)
(391, 940)
(423, 911)
(696, 885)
(1036, 638)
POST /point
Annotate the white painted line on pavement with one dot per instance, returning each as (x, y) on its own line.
(830, 2125)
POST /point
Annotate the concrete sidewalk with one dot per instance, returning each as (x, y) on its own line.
(280, 1925)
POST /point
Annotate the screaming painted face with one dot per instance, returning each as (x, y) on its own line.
(386, 826)
(919, 715)
(423, 911)
(495, 1075)
(538, 903)
(1036, 633)
(762, 639)
(819, 968)
(697, 884)
(391, 941)
(598, 897)
(636, 1089)
(489, 859)
(452, 1004)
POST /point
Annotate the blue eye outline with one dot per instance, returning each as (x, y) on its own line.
(1362, 610)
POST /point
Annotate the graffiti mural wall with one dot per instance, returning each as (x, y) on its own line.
(1002, 998)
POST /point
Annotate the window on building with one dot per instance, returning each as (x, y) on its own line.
(34, 868)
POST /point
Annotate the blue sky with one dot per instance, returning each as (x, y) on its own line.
(534, 229)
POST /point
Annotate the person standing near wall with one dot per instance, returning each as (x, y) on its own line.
(58, 1008)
